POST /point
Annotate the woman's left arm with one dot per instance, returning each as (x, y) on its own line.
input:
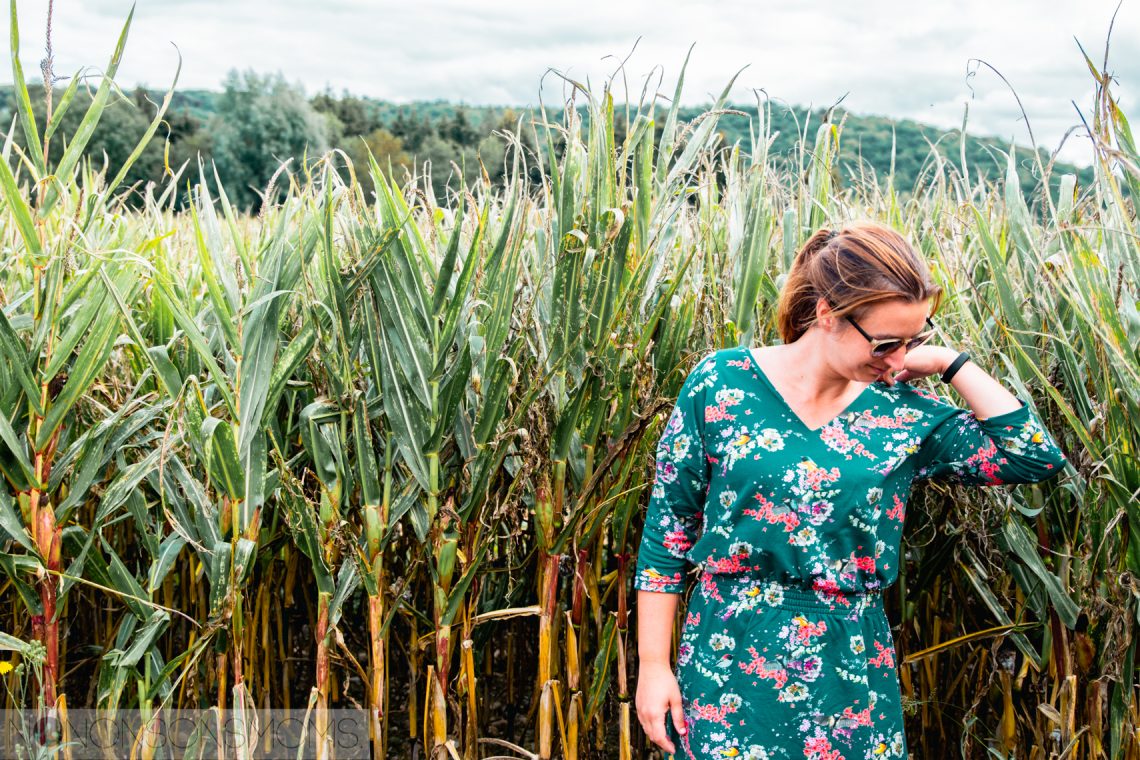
(985, 396)
(999, 439)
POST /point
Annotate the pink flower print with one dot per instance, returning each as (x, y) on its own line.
(885, 658)
(731, 564)
(652, 580)
(984, 461)
(926, 393)
(819, 747)
(898, 511)
(713, 713)
(888, 422)
(666, 471)
(835, 437)
(829, 591)
(861, 718)
(716, 413)
(765, 668)
(677, 541)
(775, 514)
(812, 476)
(804, 629)
(708, 587)
(840, 441)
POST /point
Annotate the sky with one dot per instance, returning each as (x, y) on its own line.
(923, 61)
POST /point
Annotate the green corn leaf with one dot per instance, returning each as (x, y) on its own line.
(18, 568)
(79, 139)
(62, 105)
(87, 368)
(17, 355)
(976, 577)
(12, 526)
(244, 556)
(603, 663)
(160, 566)
(140, 146)
(143, 639)
(220, 576)
(1020, 543)
(347, 580)
(18, 449)
(122, 580)
(197, 341)
(10, 643)
(368, 469)
(222, 457)
(224, 301)
(21, 213)
(23, 102)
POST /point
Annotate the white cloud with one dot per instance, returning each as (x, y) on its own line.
(887, 56)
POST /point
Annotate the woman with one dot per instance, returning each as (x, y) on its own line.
(783, 471)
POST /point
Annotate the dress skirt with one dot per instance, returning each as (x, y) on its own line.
(770, 670)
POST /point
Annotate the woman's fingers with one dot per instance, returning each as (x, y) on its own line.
(658, 701)
(678, 714)
(662, 739)
(653, 721)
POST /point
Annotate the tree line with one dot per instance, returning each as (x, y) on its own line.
(257, 121)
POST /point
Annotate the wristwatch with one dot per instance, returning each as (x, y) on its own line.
(955, 366)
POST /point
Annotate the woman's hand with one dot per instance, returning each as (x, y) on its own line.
(658, 699)
(921, 362)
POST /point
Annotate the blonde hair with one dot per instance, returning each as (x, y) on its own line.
(862, 264)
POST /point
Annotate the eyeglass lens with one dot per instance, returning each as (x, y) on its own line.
(885, 348)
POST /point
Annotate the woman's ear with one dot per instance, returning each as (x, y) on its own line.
(824, 316)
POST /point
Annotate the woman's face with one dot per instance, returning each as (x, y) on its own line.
(896, 318)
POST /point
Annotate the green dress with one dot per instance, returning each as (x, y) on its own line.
(786, 651)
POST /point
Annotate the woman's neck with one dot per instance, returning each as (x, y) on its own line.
(804, 368)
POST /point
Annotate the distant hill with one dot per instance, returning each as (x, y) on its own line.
(442, 131)
(865, 138)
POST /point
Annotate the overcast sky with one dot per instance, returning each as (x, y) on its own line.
(900, 59)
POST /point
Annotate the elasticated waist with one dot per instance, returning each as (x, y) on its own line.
(751, 590)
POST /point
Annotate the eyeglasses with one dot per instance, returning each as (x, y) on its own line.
(880, 347)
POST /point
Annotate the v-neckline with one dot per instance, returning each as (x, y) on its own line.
(784, 402)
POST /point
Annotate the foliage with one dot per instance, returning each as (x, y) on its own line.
(393, 451)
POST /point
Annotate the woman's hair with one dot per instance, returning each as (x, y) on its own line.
(862, 264)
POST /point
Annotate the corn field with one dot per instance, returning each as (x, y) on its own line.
(386, 453)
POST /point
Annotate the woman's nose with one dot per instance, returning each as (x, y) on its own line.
(896, 359)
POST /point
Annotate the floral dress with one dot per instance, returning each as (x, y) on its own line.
(786, 651)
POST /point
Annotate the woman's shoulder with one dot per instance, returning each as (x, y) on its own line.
(918, 402)
(709, 359)
(915, 395)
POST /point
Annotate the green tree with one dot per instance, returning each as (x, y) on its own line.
(118, 131)
(385, 147)
(411, 130)
(353, 116)
(261, 122)
(459, 130)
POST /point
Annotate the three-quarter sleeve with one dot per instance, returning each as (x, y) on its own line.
(680, 482)
(1012, 447)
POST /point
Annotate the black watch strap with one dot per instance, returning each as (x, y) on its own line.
(955, 366)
